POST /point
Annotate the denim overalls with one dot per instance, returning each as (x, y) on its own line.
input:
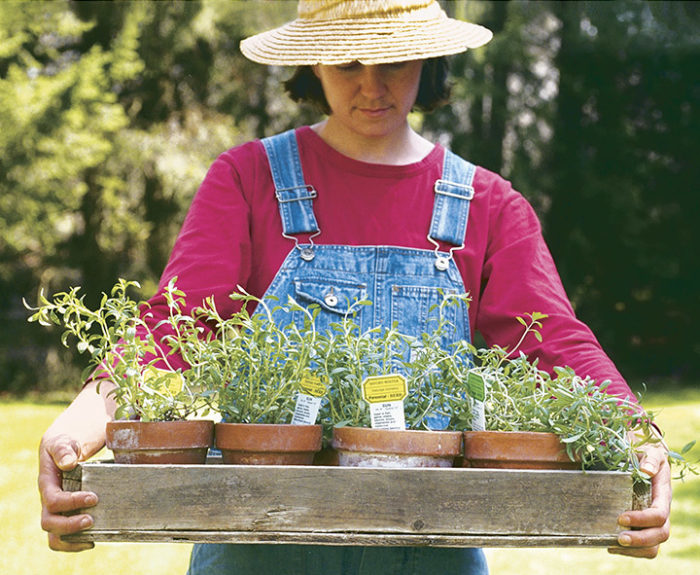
(403, 284)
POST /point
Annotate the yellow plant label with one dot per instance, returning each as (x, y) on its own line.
(169, 382)
(313, 385)
(173, 382)
(384, 388)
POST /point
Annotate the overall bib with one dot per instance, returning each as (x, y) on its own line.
(405, 285)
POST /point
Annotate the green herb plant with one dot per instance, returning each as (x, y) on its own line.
(601, 430)
(121, 345)
(347, 355)
(253, 367)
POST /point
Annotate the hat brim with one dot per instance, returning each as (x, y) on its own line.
(306, 42)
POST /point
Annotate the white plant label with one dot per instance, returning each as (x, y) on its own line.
(385, 395)
(306, 409)
(308, 401)
(477, 391)
(388, 415)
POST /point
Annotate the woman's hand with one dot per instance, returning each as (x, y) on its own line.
(650, 527)
(56, 454)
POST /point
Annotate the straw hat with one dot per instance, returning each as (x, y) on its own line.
(366, 31)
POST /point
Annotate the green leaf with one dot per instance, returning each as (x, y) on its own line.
(572, 438)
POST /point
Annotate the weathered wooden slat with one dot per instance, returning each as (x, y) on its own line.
(73, 480)
(364, 539)
(316, 504)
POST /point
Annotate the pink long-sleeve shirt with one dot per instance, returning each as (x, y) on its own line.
(232, 236)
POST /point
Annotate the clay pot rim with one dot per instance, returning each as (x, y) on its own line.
(266, 425)
(510, 446)
(512, 433)
(158, 435)
(127, 422)
(403, 441)
(266, 437)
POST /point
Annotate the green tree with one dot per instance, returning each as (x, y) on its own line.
(60, 121)
(622, 174)
(111, 115)
(588, 108)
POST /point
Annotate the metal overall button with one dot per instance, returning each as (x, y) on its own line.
(330, 299)
(442, 263)
(307, 254)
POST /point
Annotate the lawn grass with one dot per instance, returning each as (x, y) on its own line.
(678, 414)
(23, 549)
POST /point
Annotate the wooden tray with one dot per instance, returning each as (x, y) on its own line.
(353, 506)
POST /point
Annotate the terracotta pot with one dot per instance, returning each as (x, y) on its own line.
(366, 447)
(175, 442)
(515, 450)
(267, 444)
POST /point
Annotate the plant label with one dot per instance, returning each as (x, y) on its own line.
(385, 395)
(313, 385)
(477, 391)
(388, 415)
(163, 381)
(306, 409)
(383, 388)
(308, 401)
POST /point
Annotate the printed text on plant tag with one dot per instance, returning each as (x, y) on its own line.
(308, 401)
(385, 395)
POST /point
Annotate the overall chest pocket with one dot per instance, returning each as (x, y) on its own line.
(334, 298)
(418, 309)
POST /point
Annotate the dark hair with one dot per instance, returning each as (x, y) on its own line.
(433, 89)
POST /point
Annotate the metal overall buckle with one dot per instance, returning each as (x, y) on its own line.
(442, 262)
(307, 252)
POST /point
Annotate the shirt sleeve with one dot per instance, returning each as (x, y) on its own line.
(520, 277)
(212, 253)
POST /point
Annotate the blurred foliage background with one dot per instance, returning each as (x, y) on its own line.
(111, 113)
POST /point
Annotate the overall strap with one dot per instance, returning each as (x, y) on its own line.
(293, 195)
(453, 194)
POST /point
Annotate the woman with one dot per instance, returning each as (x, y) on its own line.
(360, 201)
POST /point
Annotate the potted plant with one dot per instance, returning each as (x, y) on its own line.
(384, 394)
(532, 420)
(157, 405)
(257, 371)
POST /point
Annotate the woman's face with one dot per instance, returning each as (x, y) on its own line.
(370, 101)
